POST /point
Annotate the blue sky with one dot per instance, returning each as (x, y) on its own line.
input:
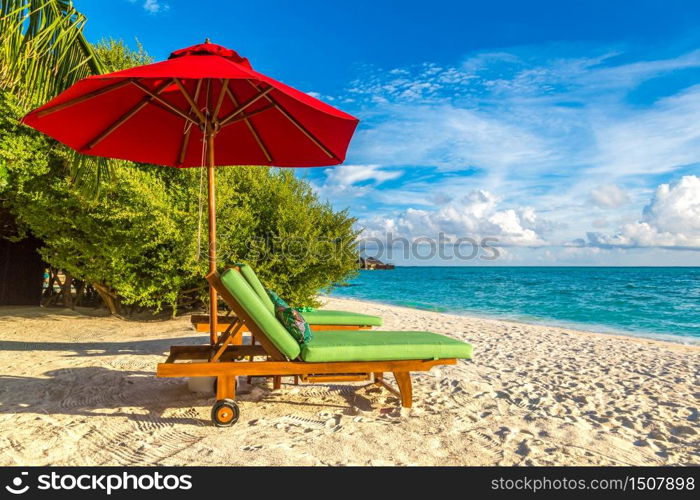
(568, 131)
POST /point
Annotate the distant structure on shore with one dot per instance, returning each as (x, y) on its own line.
(371, 263)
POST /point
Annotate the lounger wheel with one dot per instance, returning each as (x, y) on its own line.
(225, 413)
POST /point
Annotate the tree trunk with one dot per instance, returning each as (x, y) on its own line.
(109, 298)
(79, 291)
(67, 293)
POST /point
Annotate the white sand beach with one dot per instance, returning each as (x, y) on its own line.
(80, 389)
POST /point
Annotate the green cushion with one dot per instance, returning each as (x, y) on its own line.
(291, 319)
(256, 285)
(365, 345)
(325, 317)
(251, 303)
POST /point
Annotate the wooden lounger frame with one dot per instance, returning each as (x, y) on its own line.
(227, 360)
(201, 324)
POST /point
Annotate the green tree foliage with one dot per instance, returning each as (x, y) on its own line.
(114, 55)
(144, 239)
(139, 241)
(273, 221)
(42, 52)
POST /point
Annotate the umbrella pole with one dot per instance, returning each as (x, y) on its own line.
(213, 306)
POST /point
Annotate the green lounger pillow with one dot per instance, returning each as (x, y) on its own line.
(291, 319)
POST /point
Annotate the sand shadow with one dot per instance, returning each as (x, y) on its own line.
(103, 391)
(138, 347)
(349, 392)
(59, 313)
(36, 312)
(65, 392)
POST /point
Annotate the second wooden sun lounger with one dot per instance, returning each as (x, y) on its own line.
(318, 319)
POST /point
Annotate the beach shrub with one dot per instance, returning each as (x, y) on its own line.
(115, 55)
(272, 220)
(143, 240)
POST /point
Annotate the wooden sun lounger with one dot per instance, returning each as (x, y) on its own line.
(318, 320)
(227, 360)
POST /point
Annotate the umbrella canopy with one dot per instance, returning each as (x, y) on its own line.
(160, 114)
(204, 106)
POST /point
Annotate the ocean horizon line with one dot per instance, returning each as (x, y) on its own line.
(640, 301)
(578, 327)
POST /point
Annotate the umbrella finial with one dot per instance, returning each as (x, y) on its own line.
(206, 40)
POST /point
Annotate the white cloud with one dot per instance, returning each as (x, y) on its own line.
(655, 140)
(440, 198)
(453, 139)
(476, 215)
(321, 97)
(155, 6)
(609, 196)
(557, 134)
(518, 116)
(345, 182)
(348, 175)
(670, 220)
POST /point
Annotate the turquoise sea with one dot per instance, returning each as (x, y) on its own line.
(659, 302)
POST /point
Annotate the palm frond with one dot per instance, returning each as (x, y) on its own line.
(88, 173)
(42, 48)
(43, 52)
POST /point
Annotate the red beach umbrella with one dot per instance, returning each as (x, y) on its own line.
(204, 106)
